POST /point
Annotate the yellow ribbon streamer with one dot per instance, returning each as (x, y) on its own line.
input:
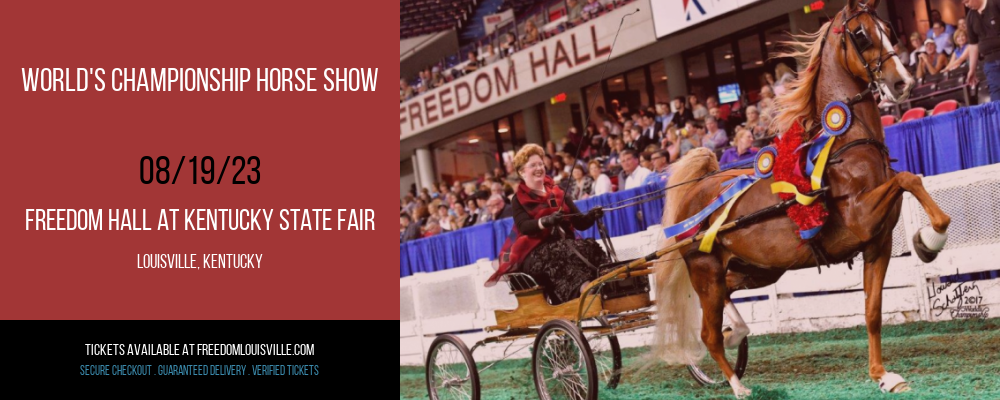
(709, 239)
(785, 187)
(817, 175)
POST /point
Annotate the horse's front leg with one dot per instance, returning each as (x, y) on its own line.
(877, 256)
(879, 201)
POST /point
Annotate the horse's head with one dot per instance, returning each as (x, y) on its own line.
(867, 52)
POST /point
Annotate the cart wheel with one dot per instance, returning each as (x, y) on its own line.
(562, 363)
(451, 371)
(737, 358)
(607, 356)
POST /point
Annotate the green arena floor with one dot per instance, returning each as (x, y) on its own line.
(943, 360)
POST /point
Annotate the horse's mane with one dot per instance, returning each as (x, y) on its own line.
(798, 102)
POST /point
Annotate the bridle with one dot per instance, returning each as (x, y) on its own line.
(862, 41)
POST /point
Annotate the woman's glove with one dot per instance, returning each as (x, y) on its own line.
(551, 220)
(596, 213)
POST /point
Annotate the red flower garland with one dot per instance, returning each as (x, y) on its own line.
(788, 168)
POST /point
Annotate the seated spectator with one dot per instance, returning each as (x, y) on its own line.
(660, 172)
(593, 9)
(509, 45)
(483, 214)
(443, 188)
(941, 37)
(405, 91)
(495, 206)
(575, 12)
(462, 218)
(445, 219)
(664, 118)
(930, 62)
(431, 228)
(409, 204)
(766, 103)
(671, 144)
(681, 114)
(491, 55)
(714, 112)
(715, 138)
(473, 210)
(496, 189)
(602, 184)
(557, 168)
(690, 138)
(632, 175)
(582, 185)
(472, 63)
(784, 74)
(420, 84)
(742, 151)
(437, 78)
(409, 230)
(432, 211)
(767, 79)
(918, 49)
(959, 57)
(646, 160)
(631, 138)
(711, 103)
(754, 123)
(421, 216)
(945, 30)
(614, 157)
(697, 110)
(531, 35)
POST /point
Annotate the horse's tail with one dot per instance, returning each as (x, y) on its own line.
(679, 312)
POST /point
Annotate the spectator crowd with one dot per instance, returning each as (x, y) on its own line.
(619, 150)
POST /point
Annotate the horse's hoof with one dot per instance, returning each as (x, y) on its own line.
(928, 243)
(739, 390)
(893, 383)
(902, 387)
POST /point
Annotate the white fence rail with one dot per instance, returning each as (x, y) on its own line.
(455, 301)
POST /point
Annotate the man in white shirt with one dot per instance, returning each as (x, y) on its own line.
(632, 175)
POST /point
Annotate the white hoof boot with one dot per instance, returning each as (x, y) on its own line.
(738, 389)
(893, 383)
(739, 328)
(932, 239)
(733, 338)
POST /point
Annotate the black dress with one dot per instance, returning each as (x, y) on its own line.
(561, 264)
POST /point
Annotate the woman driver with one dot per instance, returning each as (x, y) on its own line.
(542, 242)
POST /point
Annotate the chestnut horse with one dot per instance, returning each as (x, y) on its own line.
(849, 54)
